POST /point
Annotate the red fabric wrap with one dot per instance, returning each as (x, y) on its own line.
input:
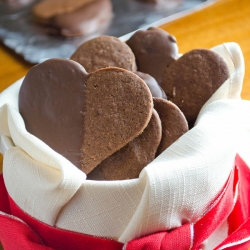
(4, 204)
(179, 238)
(18, 230)
(63, 239)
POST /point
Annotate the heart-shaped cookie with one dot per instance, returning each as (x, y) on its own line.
(128, 162)
(193, 78)
(104, 51)
(154, 49)
(85, 117)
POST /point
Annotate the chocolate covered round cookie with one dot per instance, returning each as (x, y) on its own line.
(154, 49)
(153, 85)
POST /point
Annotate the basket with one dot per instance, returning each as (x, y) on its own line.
(194, 195)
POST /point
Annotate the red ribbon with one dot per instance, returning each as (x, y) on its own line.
(18, 230)
(191, 236)
(180, 238)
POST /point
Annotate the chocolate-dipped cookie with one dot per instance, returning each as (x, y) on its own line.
(104, 51)
(193, 78)
(128, 162)
(84, 117)
(73, 18)
(154, 50)
(153, 85)
(174, 123)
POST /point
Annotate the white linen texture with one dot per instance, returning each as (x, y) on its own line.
(176, 188)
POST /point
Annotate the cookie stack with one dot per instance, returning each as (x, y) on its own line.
(106, 110)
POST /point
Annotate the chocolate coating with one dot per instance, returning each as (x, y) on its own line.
(82, 18)
(192, 80)
(174, 123)
(153, 85)
(86, 20)
(104, 51)
(154, 50)
(50, 98)
(128, 162)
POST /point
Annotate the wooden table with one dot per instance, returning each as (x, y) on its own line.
(222, 21)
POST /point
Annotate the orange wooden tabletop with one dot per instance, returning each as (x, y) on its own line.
(222, 21)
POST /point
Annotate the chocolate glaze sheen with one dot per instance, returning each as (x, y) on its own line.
(154, 49)
(43, 113)
(86, 20)
(153, 85)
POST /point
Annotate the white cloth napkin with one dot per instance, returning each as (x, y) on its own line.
(175, 188)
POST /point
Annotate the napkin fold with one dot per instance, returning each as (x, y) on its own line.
(176, 188)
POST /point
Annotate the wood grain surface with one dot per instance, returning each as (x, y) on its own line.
(222, 21)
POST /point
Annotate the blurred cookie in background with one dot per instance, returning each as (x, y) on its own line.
(17, 4)
(73, 18)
